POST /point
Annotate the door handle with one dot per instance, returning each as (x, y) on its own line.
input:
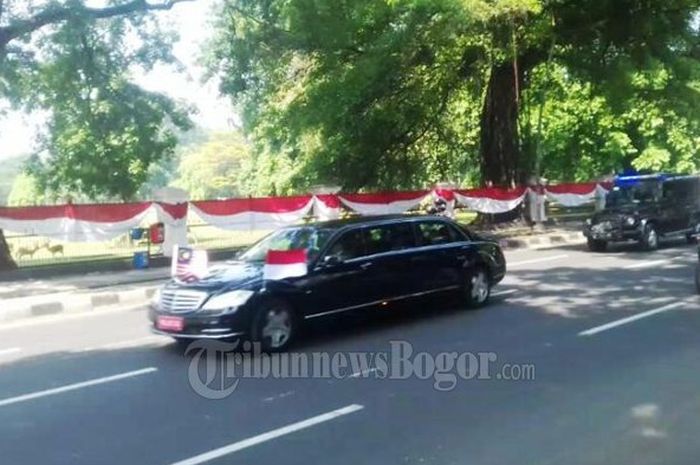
(366, 265)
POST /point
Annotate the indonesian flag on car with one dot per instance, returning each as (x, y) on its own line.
(281, 264)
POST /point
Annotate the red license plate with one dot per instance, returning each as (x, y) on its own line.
(170, 323)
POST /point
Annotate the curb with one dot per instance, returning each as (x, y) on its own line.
(538, 242)
(68, 303)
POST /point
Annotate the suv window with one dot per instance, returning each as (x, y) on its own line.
(350, 245)
(387, 238)
(436, 233)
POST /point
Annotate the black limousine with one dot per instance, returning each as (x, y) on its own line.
(351, 264)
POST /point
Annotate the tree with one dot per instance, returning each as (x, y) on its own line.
(216, 168)
(75, 61)
(350, 92)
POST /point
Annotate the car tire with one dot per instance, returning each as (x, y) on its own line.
(596, 245)
(478, 288)
(275, 326)
(650, 238)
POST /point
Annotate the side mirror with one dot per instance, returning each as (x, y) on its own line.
(331, 260)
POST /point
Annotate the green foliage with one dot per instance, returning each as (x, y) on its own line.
(104, 132)
(216, 168)
(25, 192)
(390, 94)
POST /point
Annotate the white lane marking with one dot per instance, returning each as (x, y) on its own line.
(648, 264)
(538, 260)
(11, 350)
(363, 373)
(502, 293)
(73, 387)
(278, 396)
(630, 319)
(255, 440)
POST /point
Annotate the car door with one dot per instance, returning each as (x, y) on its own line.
(441, 251)
(339, 280)
(391, 251)
(673, 208)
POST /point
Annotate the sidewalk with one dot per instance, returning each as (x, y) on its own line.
(91, 292)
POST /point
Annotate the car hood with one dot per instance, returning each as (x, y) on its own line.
(232, 275)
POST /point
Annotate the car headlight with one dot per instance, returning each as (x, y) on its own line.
(227, 302)
(630, 221)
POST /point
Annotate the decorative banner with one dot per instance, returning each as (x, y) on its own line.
(281, 264)
(75, 223)
(572, 195)
(383, 203)
(327, 207)
(172, 214)
(252, 214)
(491, 200)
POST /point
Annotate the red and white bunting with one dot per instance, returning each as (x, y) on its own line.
(327, 207)
(384, 203)
(572, 195)
(75, 223)
(254, 214)
(491, 200)
(172, 214)
(281, 264)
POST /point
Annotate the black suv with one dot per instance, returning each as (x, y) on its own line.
(646, 208)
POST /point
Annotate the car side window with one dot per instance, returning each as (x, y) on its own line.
(436, 233)
(350, 245)
(388, 238)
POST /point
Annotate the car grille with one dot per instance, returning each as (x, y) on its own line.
(179, 301)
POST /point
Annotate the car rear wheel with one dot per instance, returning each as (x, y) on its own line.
(650, 238)
(275, 326)
(478, 288)
(595, 245)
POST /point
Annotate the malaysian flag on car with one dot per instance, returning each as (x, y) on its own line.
(189, 265)
(281, 264)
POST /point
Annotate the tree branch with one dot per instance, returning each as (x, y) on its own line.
(57, 14)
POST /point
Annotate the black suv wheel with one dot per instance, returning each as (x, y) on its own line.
(275, 326)
(596, 245)
(650, 238)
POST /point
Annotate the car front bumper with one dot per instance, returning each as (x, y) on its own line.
(612, 235)
(202, 326)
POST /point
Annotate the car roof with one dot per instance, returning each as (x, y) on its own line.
(369, 220)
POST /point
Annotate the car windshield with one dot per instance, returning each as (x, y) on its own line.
(310, 239)
(640, 192)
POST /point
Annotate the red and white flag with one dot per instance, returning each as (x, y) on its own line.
(281, 264)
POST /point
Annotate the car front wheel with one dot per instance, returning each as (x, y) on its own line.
(478, 288)
(650, 238)
(595, 245)
(275, 326)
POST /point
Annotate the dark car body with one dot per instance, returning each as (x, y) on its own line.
(428, 255)
(646, 208)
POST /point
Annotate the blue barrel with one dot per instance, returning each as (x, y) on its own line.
(140, 260)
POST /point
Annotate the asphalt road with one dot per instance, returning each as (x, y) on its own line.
(613, 340)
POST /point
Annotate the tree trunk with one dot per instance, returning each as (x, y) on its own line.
(6, 260)
(500, 151)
